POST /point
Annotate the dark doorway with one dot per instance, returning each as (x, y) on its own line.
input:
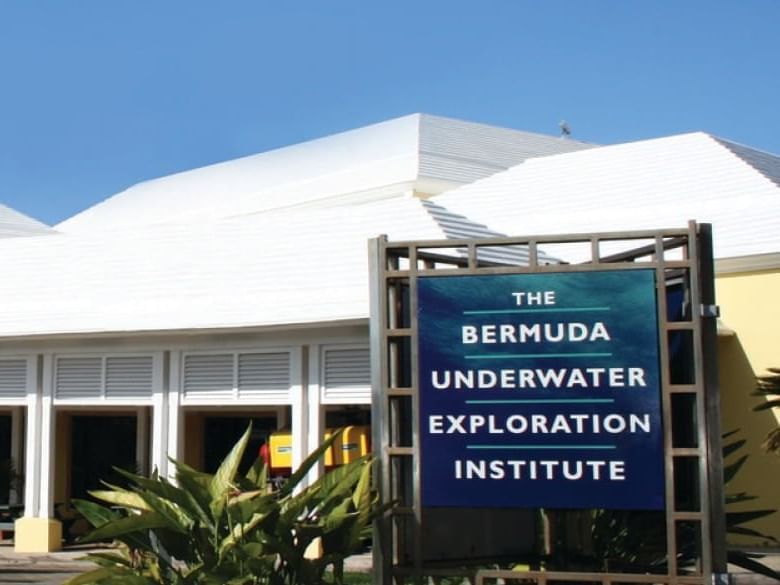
(220, 433)
(337, 417)
(7, 467)
(98, 445)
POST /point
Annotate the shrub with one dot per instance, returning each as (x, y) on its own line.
(224, 528)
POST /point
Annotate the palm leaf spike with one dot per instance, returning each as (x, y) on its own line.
(730, 470)
(223, 480)
(228, 469)
(123, 498)
(768, 387)
(258, 474)
(307, 464)
(730, 448)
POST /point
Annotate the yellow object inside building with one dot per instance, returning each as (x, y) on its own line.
(354, 442)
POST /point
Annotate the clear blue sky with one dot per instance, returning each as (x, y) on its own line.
(100, 94)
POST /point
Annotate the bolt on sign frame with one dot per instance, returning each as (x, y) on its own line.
(677, 257)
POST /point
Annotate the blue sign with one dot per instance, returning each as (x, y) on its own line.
(540, 390)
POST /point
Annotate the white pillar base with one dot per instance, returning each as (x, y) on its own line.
(37, 535)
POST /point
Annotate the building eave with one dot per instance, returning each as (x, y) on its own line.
(184, 332)
(752, 263)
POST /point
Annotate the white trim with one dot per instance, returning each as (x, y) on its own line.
(316, 410)
(159, 423)
(754, 263)
(219, 403)
(241, 329)
(299, 408)
(32, 476)
(172, 418)
(47, 433)
(71, 403)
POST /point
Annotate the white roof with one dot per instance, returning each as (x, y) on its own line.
(414, 153)
(275, 268)
(14, 224)
(660, 183)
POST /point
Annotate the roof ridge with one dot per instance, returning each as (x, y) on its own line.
(765, 163)
(456, 226)
(436, 117)
(15, 223)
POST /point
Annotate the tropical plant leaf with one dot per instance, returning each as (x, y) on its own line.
(197, 482)
(95, 514)
(771, 442)
(178, 519)
(228, 469)
(122, 498)
(746, 561)
(733, 447)
(225, 529)
(328, 491)
(361, 497)
(744, 531)
(195, 487)
(729, 471)
(107, 559)
(241, 531)
(739, 498)
(258, 474)
(243, 509)
(767, 405)
(93, 576)
(123, 525)
(103, 576)
(737, 518)
(310, 461)
(165, 490)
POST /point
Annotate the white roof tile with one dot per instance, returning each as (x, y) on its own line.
(660, 183)
(420, 152)
(275, 268)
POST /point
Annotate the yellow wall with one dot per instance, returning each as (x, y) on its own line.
(750, 306)
(193, 445)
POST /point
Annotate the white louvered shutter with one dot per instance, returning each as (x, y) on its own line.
(129, 377)
(209, 376)
(78, 378)
(264, 375)
(13, 378)
(347, 374)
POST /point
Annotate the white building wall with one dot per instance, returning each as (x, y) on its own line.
(161, 435)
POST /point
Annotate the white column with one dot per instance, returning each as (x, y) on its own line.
(48, 432)
(37, 531)
(298, 407)
(160, 432)
(316, 412)
(175, 446)
(17, 450)
(160, 416)
(32, 468)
